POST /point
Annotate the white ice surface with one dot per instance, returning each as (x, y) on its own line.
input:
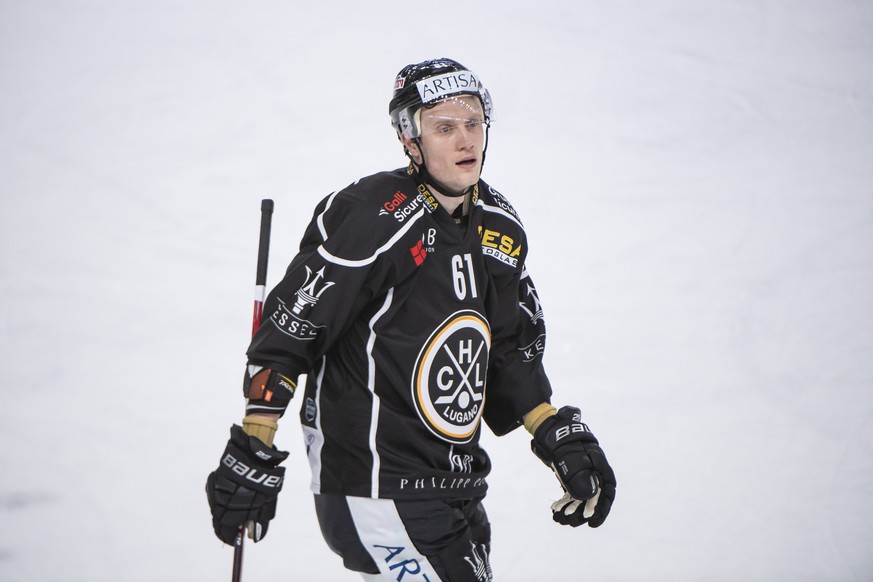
(697, 182)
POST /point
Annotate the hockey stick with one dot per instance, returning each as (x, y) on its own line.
(260, 294)
(263, 255)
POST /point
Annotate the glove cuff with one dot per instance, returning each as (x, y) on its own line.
(248, 462)
(255, 449)
(560, 430)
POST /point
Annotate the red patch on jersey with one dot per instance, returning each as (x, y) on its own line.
(418, 253)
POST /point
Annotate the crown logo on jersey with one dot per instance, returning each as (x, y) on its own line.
(309, 294)
(536, 313)
(480, 565)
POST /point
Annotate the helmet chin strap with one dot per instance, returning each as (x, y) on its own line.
(440, 187)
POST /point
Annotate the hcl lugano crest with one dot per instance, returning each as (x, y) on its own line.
(448, 385)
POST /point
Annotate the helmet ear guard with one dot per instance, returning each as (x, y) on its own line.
(406, 124)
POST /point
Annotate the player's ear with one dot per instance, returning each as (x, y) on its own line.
(411, 146)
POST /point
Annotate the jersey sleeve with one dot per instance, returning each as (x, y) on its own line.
(517, 380)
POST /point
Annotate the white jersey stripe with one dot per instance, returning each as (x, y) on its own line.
(497, 210)
(314, 438)
(384, 536)
(364, 262)
(320, 220)
(371, 384)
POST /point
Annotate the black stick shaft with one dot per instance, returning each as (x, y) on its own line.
(238, 554)
(263, 257)
(260, 294)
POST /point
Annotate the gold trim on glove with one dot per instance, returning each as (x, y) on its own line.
(261, 427)
(534, 418)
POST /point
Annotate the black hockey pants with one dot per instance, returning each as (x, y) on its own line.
(433, 540)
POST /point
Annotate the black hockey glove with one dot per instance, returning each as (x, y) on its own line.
(245, 486)
(566, 445)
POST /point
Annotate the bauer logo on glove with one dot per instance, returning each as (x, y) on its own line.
(252, 474)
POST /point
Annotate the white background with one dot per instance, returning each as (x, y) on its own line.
(697, 183)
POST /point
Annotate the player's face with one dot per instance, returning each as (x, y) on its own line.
(453, 137)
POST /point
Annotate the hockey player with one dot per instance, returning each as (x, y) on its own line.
(410, 310)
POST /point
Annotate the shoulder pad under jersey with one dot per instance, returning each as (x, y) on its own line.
(492, 198)
(367, 218)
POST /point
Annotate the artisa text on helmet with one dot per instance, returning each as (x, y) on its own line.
(434, 88)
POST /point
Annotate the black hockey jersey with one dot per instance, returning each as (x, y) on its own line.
(412, 327)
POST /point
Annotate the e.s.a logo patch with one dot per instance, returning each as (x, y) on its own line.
(448, 385)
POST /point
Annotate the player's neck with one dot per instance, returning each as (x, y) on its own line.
(449, 203)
